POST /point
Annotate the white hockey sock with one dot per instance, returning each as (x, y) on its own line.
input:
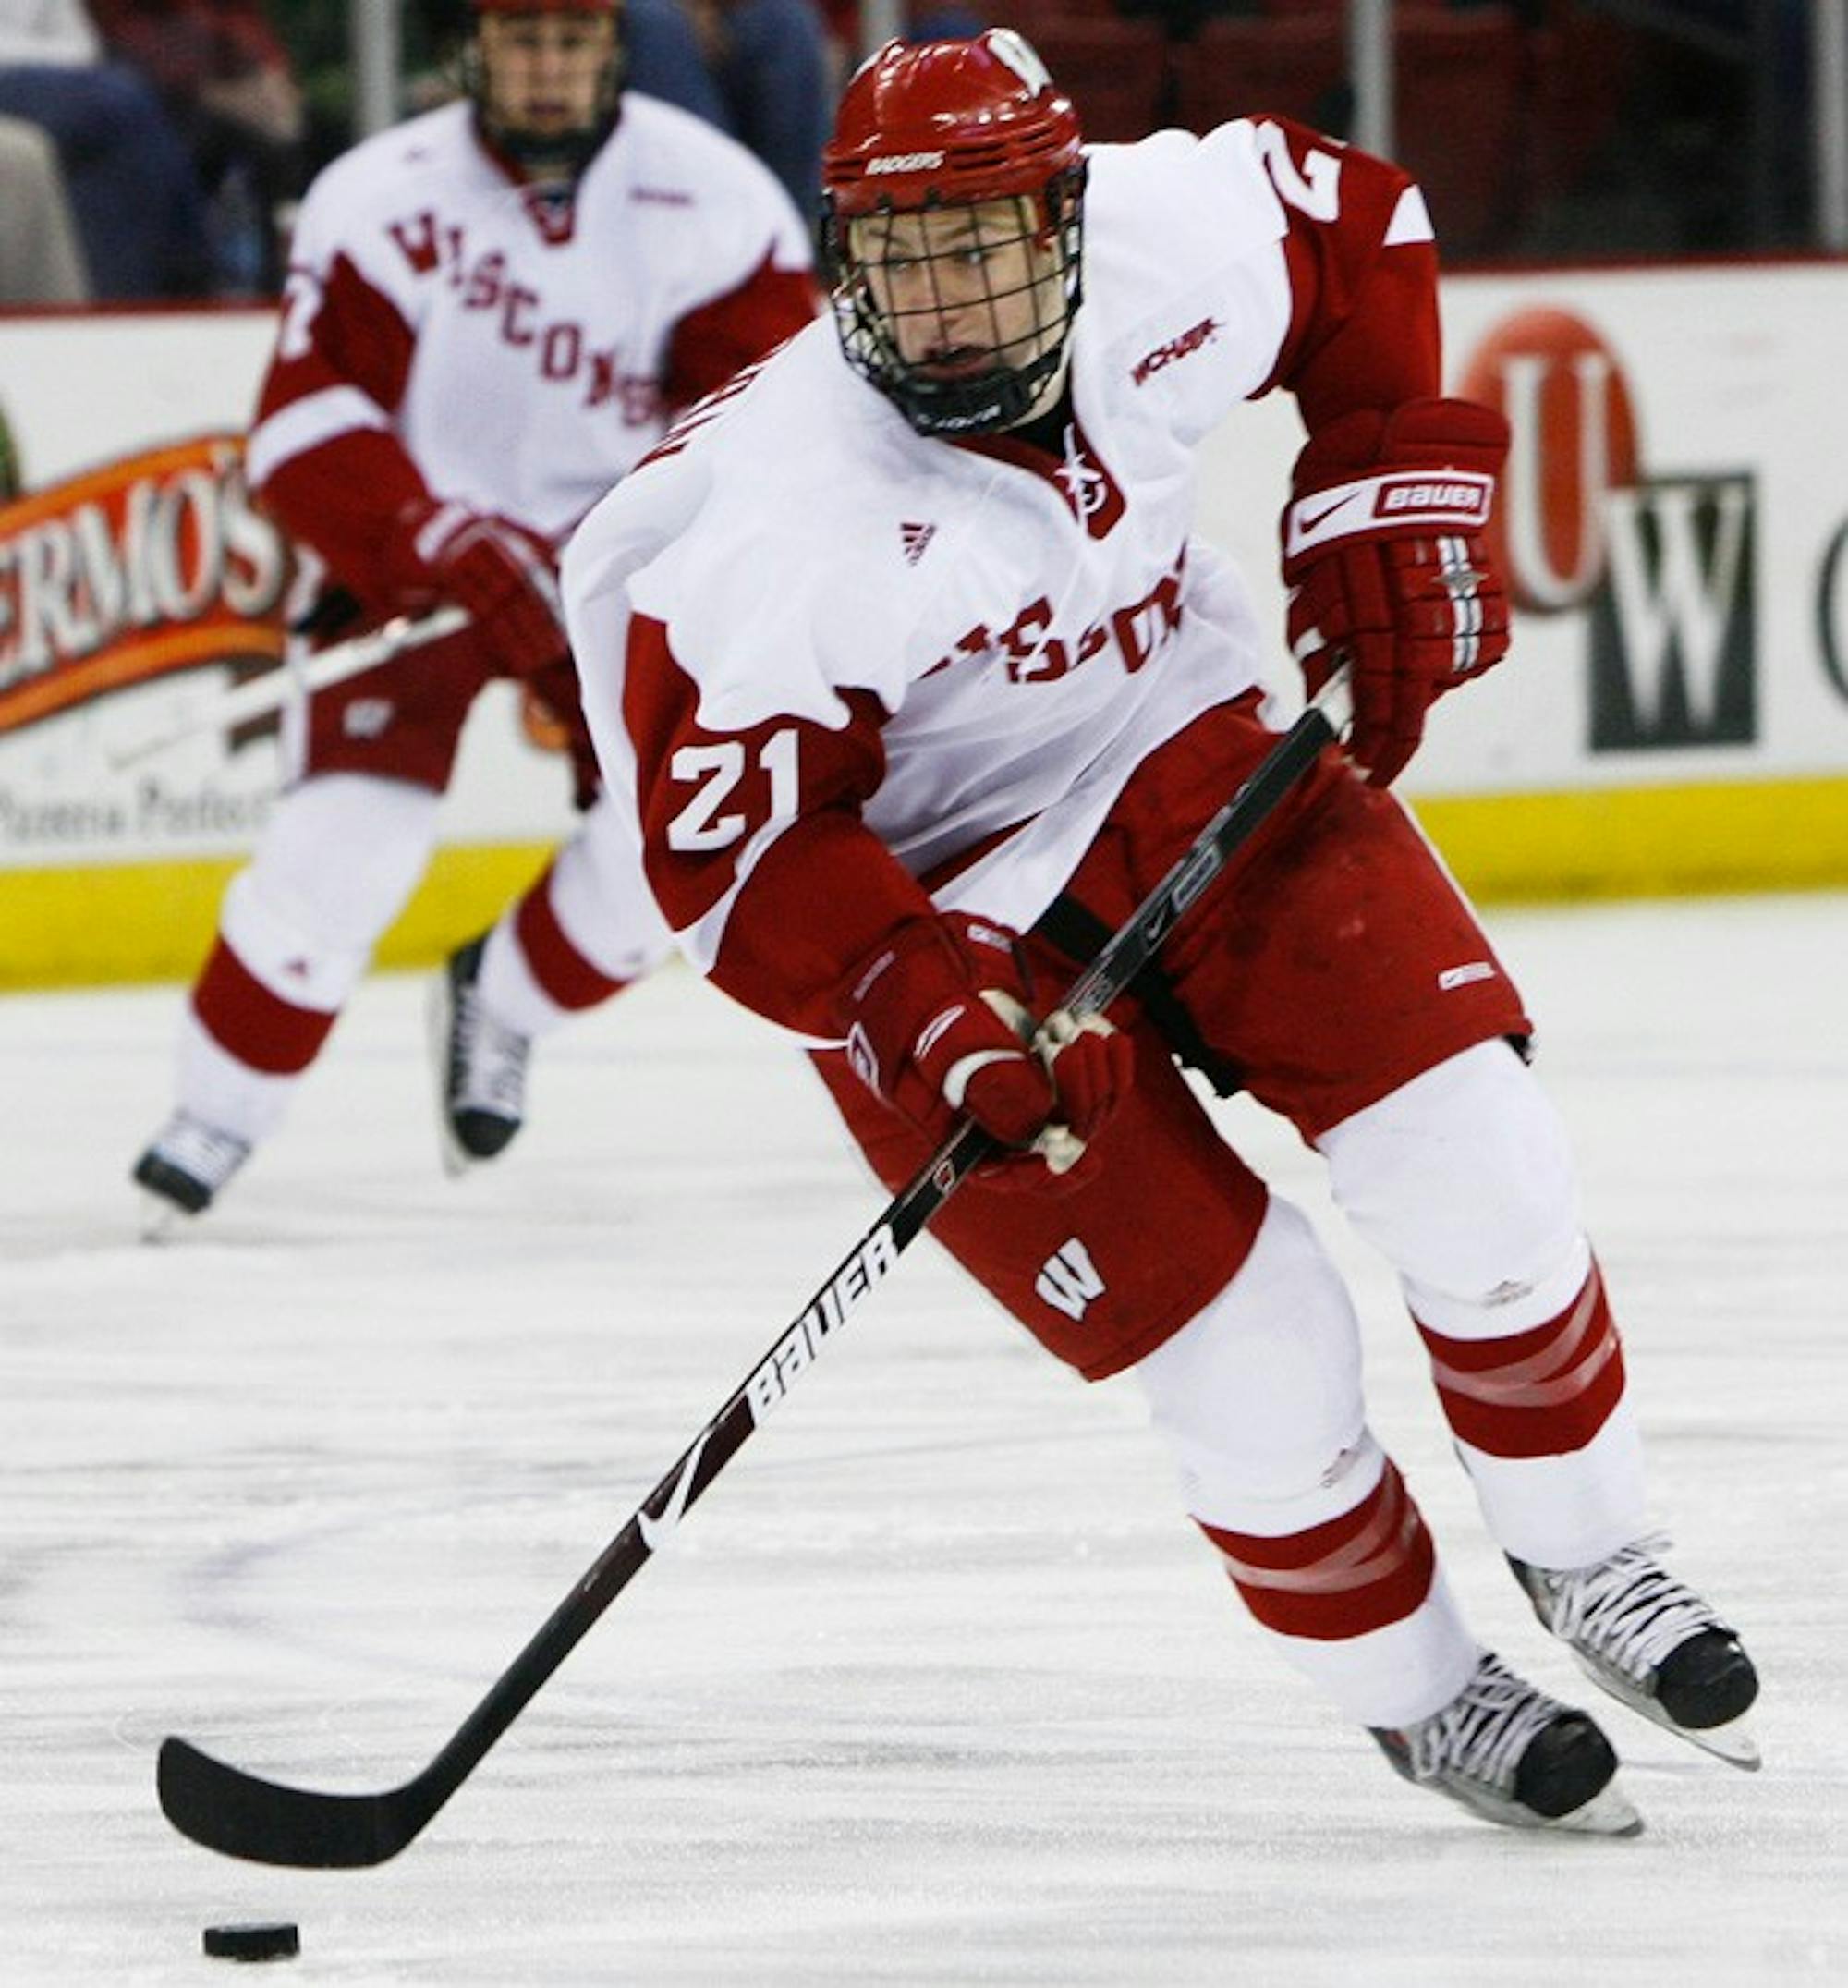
(593, 919)
(1392, 1676)
(1565, 1511)
(225, 1093)
(506, 989)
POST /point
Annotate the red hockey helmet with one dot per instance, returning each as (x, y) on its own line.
(969, 120)
(955, 124)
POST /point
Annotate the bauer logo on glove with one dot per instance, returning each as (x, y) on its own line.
(1388, 567)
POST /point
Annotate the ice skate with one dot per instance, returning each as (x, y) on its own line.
(1511, 1755)
(480, 1066)
(1652, 1642)
(181, 1171)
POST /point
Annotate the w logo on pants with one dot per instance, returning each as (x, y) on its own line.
(1069, 1280)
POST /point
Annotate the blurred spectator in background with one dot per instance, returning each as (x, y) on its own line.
(230, 91)
(133, 192)
(662, 58)
(769, 59)
(40, 261)
(760, 70)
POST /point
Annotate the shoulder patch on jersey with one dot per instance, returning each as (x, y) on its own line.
(1170, 349)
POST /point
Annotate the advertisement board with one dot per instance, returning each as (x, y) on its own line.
(137, 584)
(1674, 528)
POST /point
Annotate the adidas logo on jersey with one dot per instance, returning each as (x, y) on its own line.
(914, 538)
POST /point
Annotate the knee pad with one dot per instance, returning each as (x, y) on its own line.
(1258, 1395)
(334, 867)
(1463, 1180)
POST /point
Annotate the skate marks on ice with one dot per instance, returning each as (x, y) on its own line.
(935, 1686)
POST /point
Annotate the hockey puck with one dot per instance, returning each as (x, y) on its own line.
(279, 1940)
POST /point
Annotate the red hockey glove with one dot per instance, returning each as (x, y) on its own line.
(506, 576)
(937, 1024)
(1386, 563)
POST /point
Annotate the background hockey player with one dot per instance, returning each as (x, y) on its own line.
(917, 683)
(491, 311)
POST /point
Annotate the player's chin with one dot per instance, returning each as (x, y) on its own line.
(966, 363)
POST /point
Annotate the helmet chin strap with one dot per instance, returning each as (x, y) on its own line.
(1052, 389)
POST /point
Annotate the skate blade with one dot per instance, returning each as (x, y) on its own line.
(161, 1220)
(456, 1161)
(436, 1013)
(1610, 1812)
(1734, 1742)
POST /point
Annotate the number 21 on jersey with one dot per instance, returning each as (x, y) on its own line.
(715, 772)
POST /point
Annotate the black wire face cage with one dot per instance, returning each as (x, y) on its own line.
(559, 157)
(998, 396)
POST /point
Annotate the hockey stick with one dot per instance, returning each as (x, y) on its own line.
(274, 689)
(243, 1815)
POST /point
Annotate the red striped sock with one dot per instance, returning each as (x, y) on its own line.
(1371, 1566)
(1541, 1392)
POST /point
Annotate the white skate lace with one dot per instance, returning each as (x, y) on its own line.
(490, 1062)
(1629, 1610)
(1483, 1732)
(200, 1150)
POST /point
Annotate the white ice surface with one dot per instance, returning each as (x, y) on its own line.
(936, 1685)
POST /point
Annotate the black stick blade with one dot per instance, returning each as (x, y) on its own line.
(242, 1815)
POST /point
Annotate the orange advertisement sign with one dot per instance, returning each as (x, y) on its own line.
(150, 565)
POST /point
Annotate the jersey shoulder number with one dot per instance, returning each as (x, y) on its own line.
(1311, 183)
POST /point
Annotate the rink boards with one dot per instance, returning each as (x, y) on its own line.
(1674, 527)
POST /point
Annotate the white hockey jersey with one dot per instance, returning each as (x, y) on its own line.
(799, 611)
(448, 330)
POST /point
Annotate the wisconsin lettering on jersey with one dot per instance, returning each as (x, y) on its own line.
(1134, 633)
(560, 348)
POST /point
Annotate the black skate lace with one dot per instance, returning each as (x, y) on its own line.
(1628, 1610)
(201, 1150)
(1483, 1732)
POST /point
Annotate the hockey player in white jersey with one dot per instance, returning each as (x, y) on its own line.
(491, 312)
(906, 663)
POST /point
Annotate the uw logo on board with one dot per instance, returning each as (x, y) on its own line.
(1662, 566)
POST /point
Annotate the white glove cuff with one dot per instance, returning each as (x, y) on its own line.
(1457, 500)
